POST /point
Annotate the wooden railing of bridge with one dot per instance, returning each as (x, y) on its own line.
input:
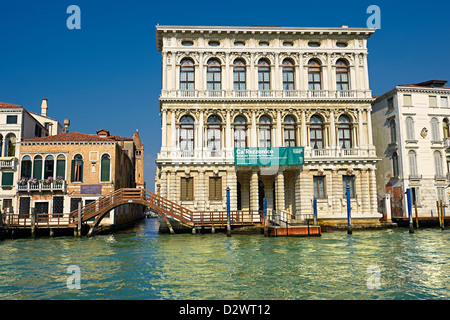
(96, 210)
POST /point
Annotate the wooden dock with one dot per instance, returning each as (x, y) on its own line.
(295, 231)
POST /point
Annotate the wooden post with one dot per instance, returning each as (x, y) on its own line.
(33, 223)
(417, 218)
(408, 198)
(228, 213)
(442, 216)
(438, 212)
(79, 220)
(266, 230)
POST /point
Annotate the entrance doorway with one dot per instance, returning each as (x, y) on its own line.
(261, 194)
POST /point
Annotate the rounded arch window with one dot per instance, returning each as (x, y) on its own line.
(61, 167)
(187, 135)
(187, 76)
(314, 77)
(263, 75)
(77, 168)
(240, 132)
(290, 139)
(26, 167)
(213, 77)
(105, 170)
(265, 134)
(344, 132)
(214, 135)
(288, 74)
(316, 139)
(342, 78)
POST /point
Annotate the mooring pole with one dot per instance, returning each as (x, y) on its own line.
(33, 223)
(349, 211)
(417, 217)
(442, 216)
(266, 231)
(228, 213)
(315, 210)
(79, 220)
(408, 198)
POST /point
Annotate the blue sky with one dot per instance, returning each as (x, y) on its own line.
(108, 74)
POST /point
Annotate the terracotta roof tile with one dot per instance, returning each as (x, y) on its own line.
(68, 137)
(9, 105)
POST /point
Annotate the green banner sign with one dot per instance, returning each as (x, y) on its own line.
(269, 156)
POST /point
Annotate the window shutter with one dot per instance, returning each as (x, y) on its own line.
(7, 179)
(212, 186)
(61, 168)
(72, 171)
(37, 173)
(105, 169)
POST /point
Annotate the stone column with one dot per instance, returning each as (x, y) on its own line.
(373, 192)
(245, 190)
(298, 193)
(163, 180)
(173, 132)
(201, 190)
(253, 135)
(232, 183)
(365, 195)
(332, 131)
(337, 192)
(164, 131)
(362, 141)
(279, 189)
(304, 134)
(254, 192)
(279, 136)
(369, 126)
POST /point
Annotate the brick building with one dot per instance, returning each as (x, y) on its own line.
(57, 172)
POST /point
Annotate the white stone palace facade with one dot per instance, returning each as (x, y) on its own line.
(412, 124)
(228, 87)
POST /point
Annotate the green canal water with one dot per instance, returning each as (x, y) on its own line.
(141, 264)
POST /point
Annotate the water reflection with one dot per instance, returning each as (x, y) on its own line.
(140, 264)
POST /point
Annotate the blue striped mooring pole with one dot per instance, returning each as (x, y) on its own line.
(408, 198)
(349, 211)
(228, 213)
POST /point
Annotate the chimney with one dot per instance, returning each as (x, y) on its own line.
(44, 107)
(66, 125)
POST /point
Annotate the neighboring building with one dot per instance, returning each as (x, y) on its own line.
(139, 161)
(16, 124)
(229, 87)
(62, 170)
(412, 136)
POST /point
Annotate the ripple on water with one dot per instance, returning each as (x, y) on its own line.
(140, 264)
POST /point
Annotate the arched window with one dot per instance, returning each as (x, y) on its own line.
(345, 132)
(264, 76)
(240, 132)
(265, 127)
(61, 167)
(187, 78)
(412, 159)
(288, 75)
(446, 128)
(105, 170)
(314, 77)
(10, 145)
(37, 167)
(289, 131)
(49, 166)
(435, 135)
(395, 170)
(213, 133)
(239, 77)
(213, 78)
(26, 167)
(342, 81)
(77, 168)
(438, 163)
(392, 131)
(316, 133)
(409, 128)
(187, 136)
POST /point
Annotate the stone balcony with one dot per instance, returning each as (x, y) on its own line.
(265, 94)
(42, 186)
(227, 156)
(8, 162)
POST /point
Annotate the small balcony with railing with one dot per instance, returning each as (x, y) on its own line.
(266, 94)
(34, 185)
(8, 162)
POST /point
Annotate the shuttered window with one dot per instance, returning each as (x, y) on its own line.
(409, 128)
(187, 189)
(215, 188)
(61, 167)
(105, 168)
(37, 168)
(435, 136)
(7, 179)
